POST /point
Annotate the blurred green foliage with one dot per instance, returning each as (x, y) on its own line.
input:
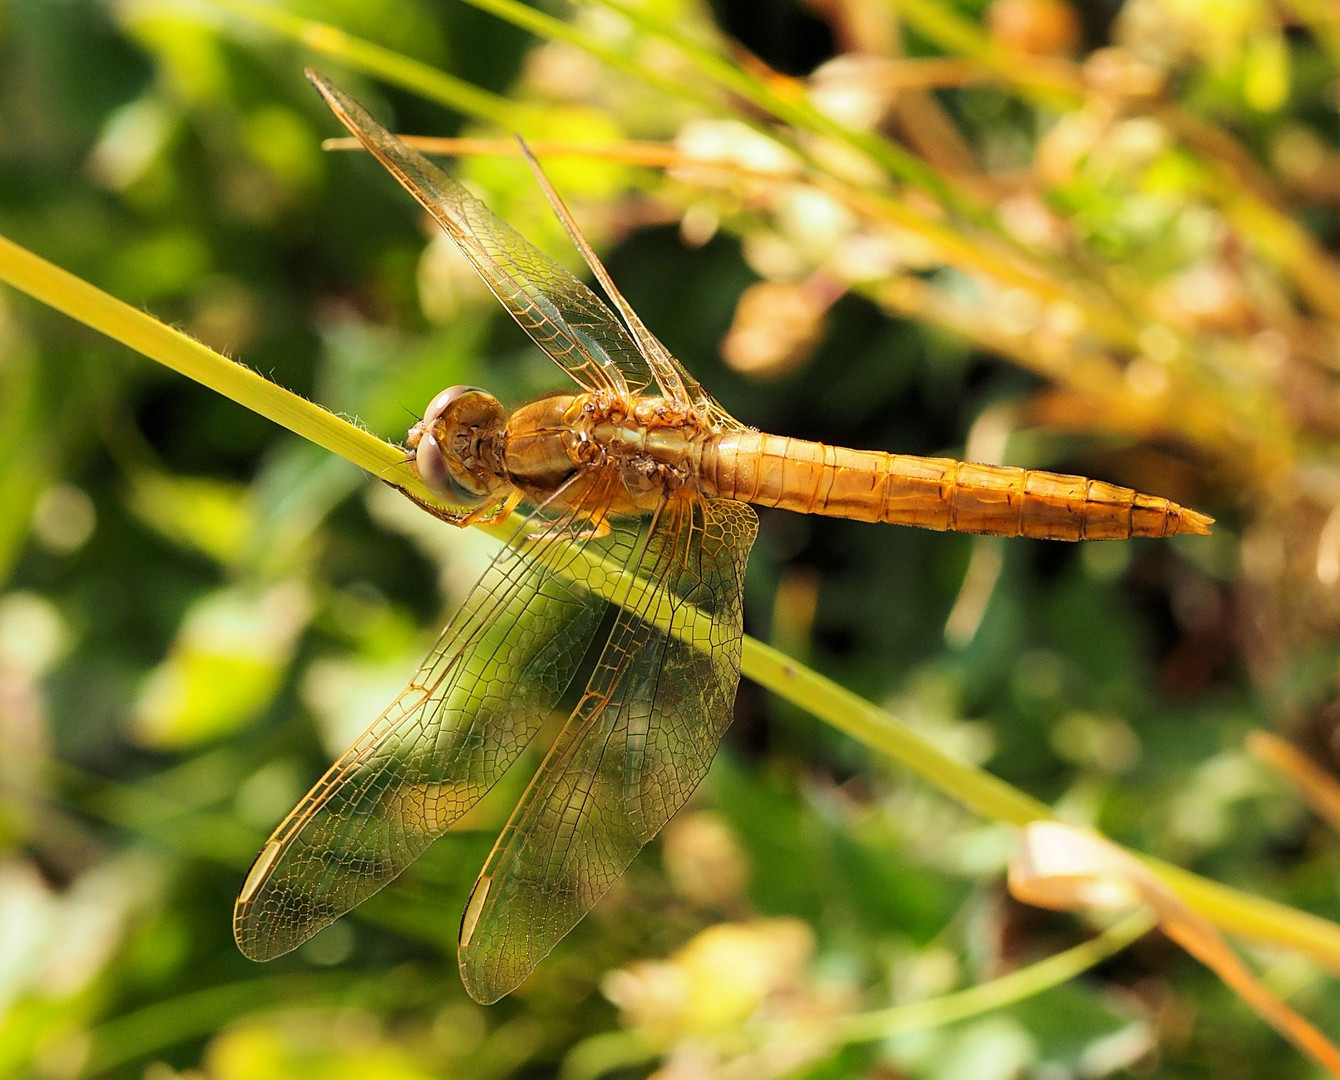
(197, 611)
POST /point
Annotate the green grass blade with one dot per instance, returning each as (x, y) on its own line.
(998, 993)
(91, 306)
(373, 59)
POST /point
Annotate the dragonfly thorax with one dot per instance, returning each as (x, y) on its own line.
(653, 442)
(458, 446)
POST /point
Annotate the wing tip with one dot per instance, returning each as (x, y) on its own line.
(254, 947)
(323, 85)
(484, 995)
(483, 986)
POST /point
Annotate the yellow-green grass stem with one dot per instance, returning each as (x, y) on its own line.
(604, 1053)
(370, 58)
(120, 321)
(998, 993)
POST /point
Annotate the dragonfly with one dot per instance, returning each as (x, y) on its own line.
(634, 488)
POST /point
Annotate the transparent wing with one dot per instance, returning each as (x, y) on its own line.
(630, 755)
(671, 376)
(495, 673)
(564, 317)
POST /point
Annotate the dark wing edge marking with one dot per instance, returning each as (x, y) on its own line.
(640, 740)
(495, 673)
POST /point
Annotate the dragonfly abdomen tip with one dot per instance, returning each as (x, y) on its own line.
(1184, 520)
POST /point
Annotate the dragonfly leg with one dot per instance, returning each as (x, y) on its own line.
(594, 529)
(442, 513)
(499, 512)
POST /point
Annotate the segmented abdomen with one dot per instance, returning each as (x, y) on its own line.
(935, 493)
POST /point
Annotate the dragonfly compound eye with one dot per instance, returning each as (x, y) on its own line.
(457, 445)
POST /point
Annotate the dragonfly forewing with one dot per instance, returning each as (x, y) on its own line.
(494, 675)
(672, 377)
(560, 313)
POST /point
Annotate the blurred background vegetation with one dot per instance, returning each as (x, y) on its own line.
(1088, 237)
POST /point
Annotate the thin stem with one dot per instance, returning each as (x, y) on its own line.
(75, 297)
(609, 1051)
(998, 993)
(373, 59)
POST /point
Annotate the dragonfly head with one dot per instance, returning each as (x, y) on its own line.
(458, 446)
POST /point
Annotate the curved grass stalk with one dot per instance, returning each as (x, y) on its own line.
(373, 59)
(1235, 912)
(986, 997)
(605, 1053)
(152, 1029)
(91, 306)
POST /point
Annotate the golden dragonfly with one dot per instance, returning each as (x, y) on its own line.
(641, 470)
